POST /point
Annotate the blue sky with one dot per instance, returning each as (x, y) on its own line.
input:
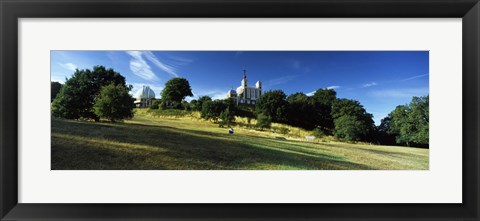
(380, 80)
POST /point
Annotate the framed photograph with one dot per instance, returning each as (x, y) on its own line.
(227, 110)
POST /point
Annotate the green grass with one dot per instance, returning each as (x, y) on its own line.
(167, 112)
(166, 143)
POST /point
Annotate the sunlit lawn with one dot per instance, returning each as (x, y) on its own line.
(155, 143)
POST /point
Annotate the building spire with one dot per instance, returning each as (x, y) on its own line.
(244, 74)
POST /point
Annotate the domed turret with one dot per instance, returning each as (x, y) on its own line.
(231, 93)
(144, 93)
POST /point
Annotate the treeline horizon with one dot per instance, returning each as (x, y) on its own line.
(107, 96)
(325, 115)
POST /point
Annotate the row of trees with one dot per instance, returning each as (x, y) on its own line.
(347, 119)
(298, 109)
(323, 111)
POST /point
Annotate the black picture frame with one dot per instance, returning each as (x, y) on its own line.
(12, 10)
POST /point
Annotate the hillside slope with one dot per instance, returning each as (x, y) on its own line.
(155, 143)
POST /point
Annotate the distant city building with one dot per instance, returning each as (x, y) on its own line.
(144, 97)
(245, 94)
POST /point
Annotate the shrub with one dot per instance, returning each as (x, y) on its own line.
(186, 105)
(264, 121)
(163, 105)
(284, 130)
(114, 103)
(318, 133)
(227, 117)
(211, 110)
(177, 105)
(155, 105)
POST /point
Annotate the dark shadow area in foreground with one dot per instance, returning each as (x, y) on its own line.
(74, 147)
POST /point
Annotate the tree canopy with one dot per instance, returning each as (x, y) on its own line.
(114, 103)
(200, 101)
(264, 121)
(351, 120)
(301, 111)
(227, 116)
(176, 89)
(211, 110)
(77, 96)
(409, 123)
(323, 100)
(55, 89)
(273, 104)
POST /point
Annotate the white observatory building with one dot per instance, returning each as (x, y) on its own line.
(245, 94)
(144, 97)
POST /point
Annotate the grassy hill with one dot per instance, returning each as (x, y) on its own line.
(187, 143)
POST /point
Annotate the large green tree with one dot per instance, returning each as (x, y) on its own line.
(77, 96)
(273, 104)
(419, 114)
(301, 111)
(114, 103)
(398, 124)
(409, 124)
(350, 128)
(323, 100)
(176, 89)
(351, 120)
(55, 89)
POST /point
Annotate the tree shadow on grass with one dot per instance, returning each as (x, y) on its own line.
(184, 149)
(77, 153)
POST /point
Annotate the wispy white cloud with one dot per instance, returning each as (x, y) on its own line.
(68, 66)
(162, 65)
(168, 64)
(214, 94)
(414, 77)
(333, 87)
(280, 80)
(400, 93)
(64, 54)
(371, 84)
(180, 60)
(139, 66)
